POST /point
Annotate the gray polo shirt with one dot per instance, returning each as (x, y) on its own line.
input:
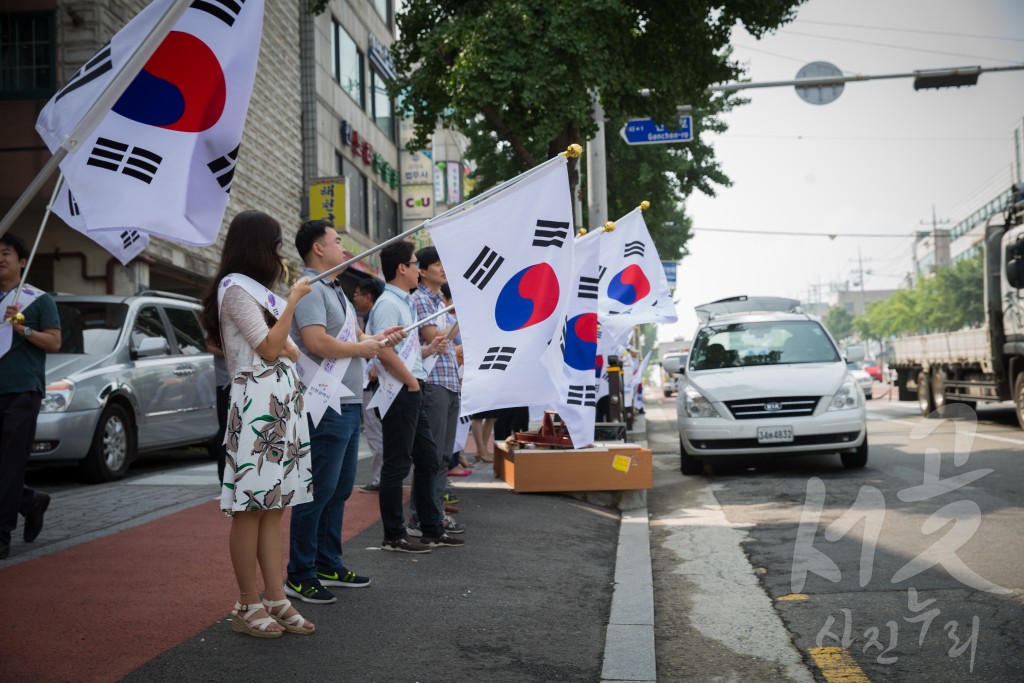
(323, 306)
(394, 307)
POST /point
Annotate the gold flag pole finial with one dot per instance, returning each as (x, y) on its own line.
(582, 232)
(609, 226)
(644, 205)
(17, 318)
(573, 151)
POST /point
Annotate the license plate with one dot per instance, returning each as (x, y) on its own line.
(774, 434)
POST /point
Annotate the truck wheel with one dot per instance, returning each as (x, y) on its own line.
(688, 464)
(924, 394)
(857, 459)
(938, 383)
(1018, 397)
(113, 447)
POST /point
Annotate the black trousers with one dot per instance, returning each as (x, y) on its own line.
(18, 414)
(408, 442)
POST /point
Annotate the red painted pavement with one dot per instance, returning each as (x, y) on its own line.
(99, 610)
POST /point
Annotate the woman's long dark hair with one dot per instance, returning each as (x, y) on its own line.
(250, 248)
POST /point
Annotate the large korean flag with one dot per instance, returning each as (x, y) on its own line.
(124, 245)
(509, 265)
(633, 287)
(577, 405)
(162, 159)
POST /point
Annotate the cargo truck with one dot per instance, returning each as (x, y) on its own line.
(980, 364)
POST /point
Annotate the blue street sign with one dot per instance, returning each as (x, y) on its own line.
(670, 273)
(647, 132)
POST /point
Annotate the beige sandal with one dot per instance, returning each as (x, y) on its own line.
(243, 620)
(293, 624)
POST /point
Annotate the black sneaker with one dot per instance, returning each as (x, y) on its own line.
(404, 545)
(443, 540)
(34, 519)
(343, 578)
(370, 488)
(309, 590)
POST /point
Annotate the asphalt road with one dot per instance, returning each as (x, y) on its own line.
(797, 569)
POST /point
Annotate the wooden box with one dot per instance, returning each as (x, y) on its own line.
(603, 467)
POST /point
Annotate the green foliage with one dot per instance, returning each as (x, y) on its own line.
(839, 322)
(950, 300)
(517, 77)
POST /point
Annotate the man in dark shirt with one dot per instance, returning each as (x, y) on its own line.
(23, 348)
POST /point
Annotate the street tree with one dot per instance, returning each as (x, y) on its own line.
(839, 322)
(517, 77)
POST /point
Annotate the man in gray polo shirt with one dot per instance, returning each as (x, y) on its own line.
(324, 328)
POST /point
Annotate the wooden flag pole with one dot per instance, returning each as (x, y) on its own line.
(99, 108)
(571, 152)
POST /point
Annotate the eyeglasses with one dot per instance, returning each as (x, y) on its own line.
(412, 263)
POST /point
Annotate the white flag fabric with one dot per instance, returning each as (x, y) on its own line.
(124, 245)
(162, 159)
(634, 289)
(509, 266)
(577, 405)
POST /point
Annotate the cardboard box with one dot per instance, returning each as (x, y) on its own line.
(604, 467)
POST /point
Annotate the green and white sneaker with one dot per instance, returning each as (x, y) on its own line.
(343, 578)
(309, 590)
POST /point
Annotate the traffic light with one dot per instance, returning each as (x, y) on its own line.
(946, 78)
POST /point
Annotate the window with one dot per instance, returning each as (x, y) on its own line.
(348, 64)
(148, 324)
(383, 108)
(26, 55)
(90, 327)
(356, 199)
(386, 218)
(187, 331)
(383, 8)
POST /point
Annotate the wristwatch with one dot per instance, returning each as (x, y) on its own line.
(26, 330)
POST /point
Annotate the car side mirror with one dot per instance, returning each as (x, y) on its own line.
(152, 346)
(672, 365)
(1015, 273)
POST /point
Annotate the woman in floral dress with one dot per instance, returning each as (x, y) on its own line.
(267, 438)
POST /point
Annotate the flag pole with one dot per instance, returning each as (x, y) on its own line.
(426, 320)
(18, 317)
(571, 152)
(610, 225)
(100, 107)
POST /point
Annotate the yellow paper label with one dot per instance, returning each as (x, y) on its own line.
(622, 463)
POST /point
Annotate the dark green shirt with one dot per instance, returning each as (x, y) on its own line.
(23, 368)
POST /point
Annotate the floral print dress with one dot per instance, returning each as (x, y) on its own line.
(268, 464)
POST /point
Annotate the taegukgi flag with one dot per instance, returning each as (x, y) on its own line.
(124, 245)
(509, 266)
(162, 159)
(634, 289)
(577, 405)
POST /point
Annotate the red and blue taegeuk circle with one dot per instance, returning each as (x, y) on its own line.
(581, 342)
(598, 365)
(181, 87)
(528, 298)
(629, 285)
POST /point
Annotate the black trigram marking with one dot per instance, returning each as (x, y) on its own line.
(130, 237)
(550, 233)
(130, 160)
(72, 205)
(100, 64)
(582, 395)
(634, 248)
(497, 358)
(465, 419)
(622, 312)
(600, 273)
(223, 168)
(484, 267)
(588, 287)
(225, 10)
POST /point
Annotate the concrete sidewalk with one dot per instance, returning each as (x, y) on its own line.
(547, 588)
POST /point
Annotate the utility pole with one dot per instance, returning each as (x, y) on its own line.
(597, 177)
(935, 223)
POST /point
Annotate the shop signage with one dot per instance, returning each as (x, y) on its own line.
(454, 169)
(327, 200)
(380, 57)
(417, 169)
(417, 202)
(350, 137)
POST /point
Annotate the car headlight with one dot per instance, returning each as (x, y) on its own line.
(58, 396)
(847, 396)
(696, 405)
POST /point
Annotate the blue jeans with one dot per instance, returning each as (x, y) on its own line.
(316, 526)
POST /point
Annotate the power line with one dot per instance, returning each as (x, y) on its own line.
(830, 235)
(913, 30)
(891, 46)
(856, 138)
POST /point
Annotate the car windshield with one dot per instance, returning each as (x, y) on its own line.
(90, 327)
(775, 342)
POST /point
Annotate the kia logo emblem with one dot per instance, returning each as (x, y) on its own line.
(772, 407)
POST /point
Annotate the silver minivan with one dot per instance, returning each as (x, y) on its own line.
(132, 374)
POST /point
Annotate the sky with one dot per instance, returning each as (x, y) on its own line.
(874, 162)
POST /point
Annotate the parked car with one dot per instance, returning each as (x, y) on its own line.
(668, 379)
(873, 369)
(764, 378)
(132, 375)
(864, 380)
